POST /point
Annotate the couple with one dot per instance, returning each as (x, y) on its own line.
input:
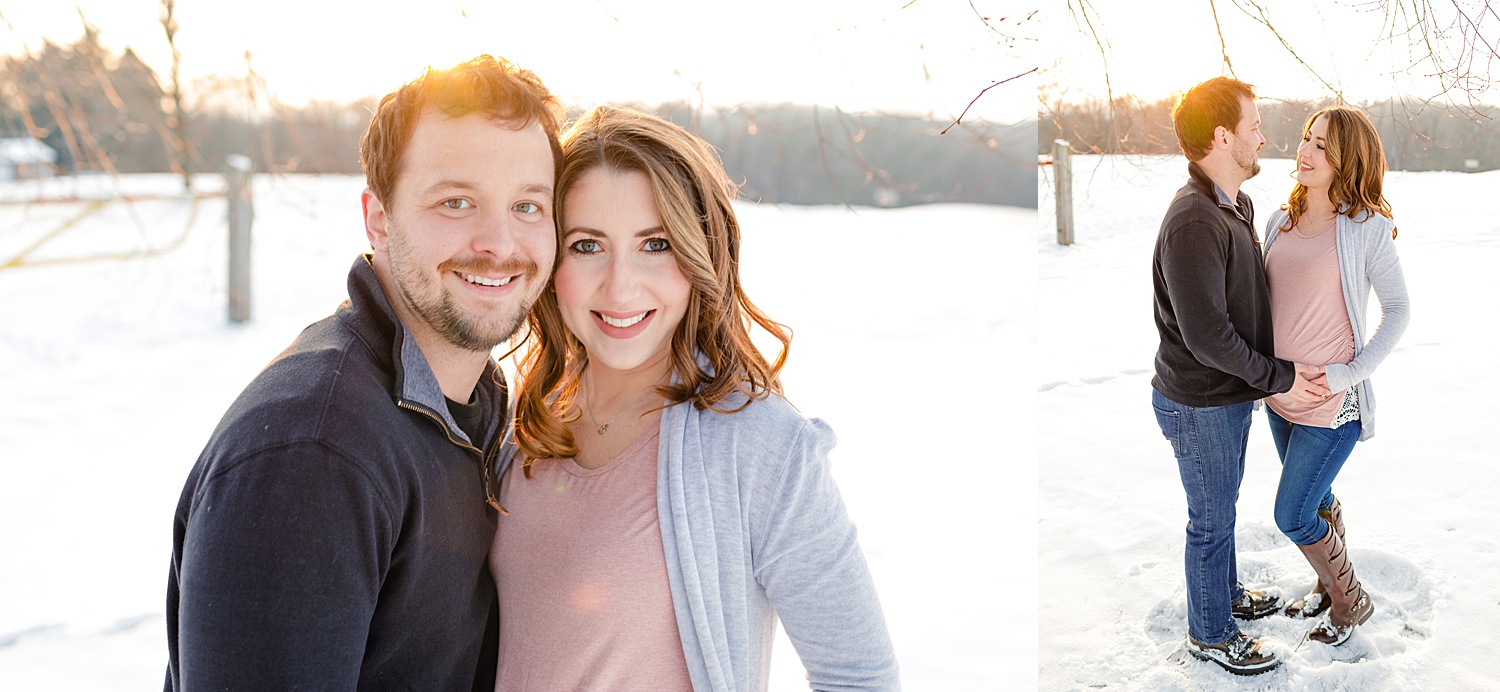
(1286, 325)
(376, 511)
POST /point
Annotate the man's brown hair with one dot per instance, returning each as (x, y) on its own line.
(1204, 108)
(490, 86)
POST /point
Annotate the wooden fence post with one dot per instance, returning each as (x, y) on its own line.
(1062, 179)
(237, 169)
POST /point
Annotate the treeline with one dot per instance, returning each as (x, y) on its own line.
(100, 112)
(103, 112)
(808, 155)
(1417, 136)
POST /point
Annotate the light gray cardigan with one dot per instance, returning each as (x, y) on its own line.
(1367, 259)
(753, 527)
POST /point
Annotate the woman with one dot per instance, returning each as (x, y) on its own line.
(666, 504)
(1327, 247)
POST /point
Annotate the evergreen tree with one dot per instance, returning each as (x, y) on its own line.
(100, 112)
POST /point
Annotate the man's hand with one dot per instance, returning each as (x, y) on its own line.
(1310, 385)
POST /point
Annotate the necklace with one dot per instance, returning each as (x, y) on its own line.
(601, 429)
(1322, 226)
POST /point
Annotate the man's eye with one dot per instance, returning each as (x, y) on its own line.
(657, 245)
(457, 203)
(527, 207)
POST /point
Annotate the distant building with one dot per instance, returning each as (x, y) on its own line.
(887, 196)
(26, 157)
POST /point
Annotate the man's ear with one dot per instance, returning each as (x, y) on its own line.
(1221, 136)
(375, 221)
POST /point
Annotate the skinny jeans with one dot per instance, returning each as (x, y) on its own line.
(1311, 458)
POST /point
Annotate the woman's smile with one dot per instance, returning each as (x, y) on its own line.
(619, 327)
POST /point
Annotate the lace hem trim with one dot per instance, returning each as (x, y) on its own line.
(1349, 410)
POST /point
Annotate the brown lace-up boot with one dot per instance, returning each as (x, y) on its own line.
(1240, 655)
(1254, 604)
(1316, 601)
(1349, 604)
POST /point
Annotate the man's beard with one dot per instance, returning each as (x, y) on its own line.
(437, 307)
(1252, 168)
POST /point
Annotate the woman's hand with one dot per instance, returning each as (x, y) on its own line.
(1310, 385)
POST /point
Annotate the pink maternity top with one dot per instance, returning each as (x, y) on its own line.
(582, 579)
(1309, 318)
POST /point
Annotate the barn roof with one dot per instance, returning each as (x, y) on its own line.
(26, 150)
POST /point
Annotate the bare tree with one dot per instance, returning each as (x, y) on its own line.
(178, 118)
(1455, 41)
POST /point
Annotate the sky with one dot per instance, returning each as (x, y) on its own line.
(929, 57)
(1174, 46)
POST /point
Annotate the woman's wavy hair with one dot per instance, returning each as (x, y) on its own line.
(1353, 149)
(693, 197)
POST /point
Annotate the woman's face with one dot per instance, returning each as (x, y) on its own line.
(618, 285)
(1313, 168)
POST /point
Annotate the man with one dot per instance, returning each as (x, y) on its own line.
(1216, 357)
(333, 533)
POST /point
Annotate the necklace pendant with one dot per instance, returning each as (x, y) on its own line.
(603, 428)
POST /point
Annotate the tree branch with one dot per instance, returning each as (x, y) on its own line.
(1262, 17)
(1084, 7)
(1224, 51)
(981, 93)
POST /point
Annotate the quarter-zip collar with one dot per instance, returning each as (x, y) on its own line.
(414, 386)
(1239, 206)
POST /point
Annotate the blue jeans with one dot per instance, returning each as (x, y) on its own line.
(1310, 459)
(1209, 444)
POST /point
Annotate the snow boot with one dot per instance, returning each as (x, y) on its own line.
(1316, 601)
(1254, 605)
(1349, 605)
(1240, 655)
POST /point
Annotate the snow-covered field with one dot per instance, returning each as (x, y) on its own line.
(915, 331)
(1421, 499)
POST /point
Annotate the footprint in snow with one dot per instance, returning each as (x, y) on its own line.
(1403, 593)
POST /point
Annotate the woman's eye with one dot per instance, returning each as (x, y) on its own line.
(527, 207)
(657, 245)
(457, 203)
(585, 247)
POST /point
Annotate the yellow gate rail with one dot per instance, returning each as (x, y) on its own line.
(93, 207)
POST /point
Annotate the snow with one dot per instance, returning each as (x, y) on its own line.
(915, 329)
(1421, 498)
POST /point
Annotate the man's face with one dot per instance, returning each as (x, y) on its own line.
(1247, 139)
(467, 242)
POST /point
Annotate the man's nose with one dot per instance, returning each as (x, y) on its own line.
(495, 235)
